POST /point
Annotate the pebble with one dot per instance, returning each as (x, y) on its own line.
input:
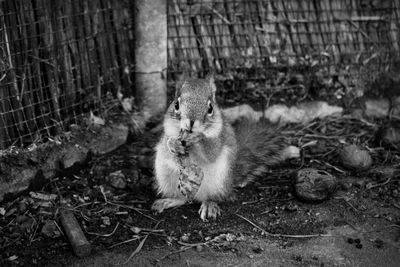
(185, 238)
(257, 250)
(314, 185)
(117, 179)
(22, 206)
(355, 158)
(136, 230)
(378, 243)
(199, 248)
(21, 218)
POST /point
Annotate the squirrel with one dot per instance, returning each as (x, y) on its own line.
(227, 156)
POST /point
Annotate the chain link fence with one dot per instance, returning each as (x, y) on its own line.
(58, 61)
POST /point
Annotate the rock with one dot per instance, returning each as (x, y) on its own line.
(21, 218)
(185, 238)
(18, 170)
(382, 173)
(50, 155)
(376, 108)
(16, 180)
(378, 243)
(22, 206)
(302, 113)
(117, 179)
(379, 108)
(73, 154)
(388, 135)
(354, 158)
(50, 229)
(233, 114)
(314, 185)
(108, 139)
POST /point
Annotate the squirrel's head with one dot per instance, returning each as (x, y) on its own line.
(194, 109)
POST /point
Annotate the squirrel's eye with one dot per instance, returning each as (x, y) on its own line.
(210, 108)
(177, 104)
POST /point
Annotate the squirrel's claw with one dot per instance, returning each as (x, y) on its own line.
(209, 209)
(165, 203)
(175, 146)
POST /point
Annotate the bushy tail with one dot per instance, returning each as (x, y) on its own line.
(260, 145)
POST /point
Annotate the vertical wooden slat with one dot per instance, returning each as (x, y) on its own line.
(89, 34)
(114, 79)
(284, 29)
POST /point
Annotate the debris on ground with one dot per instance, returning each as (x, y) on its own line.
(110, 199)
(314, 185)
(354, 157)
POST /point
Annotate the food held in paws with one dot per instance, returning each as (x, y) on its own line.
(190, 178)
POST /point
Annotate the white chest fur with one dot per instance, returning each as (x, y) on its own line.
(216, 175)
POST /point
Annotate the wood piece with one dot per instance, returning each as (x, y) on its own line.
(76, 237)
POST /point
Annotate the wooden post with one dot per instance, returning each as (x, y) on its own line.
(151, 56)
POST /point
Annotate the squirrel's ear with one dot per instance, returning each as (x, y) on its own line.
(180, 82)
(211, 80)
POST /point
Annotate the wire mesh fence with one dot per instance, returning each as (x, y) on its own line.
(58, 61)
(61, 59)
(277, 44)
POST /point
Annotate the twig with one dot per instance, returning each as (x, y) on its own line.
(2, 77)
(282, 235)
(329, 165)
(137, 250)
(104, 235)
(134, 209)
(123, 206)
(124, 242)
(322, 136)
(250, 202)
(220, 16)
(139, 247)
(348, 203)
(185, 247)
(381, 184)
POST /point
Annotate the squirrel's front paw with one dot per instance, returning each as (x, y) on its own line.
(209, 209)
(165, 203)
(176, 146)
(193, 138)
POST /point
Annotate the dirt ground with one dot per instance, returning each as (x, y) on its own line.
(265, 226)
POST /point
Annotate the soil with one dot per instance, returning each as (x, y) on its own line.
(266, 225)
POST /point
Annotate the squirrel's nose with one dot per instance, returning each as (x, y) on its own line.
(187, 125)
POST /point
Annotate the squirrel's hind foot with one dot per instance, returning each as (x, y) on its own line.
(209, 209)
(166, 203)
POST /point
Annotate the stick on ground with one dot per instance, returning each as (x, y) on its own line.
(76, 237)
